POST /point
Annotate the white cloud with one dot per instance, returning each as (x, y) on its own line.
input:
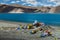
(29, 5)
(47, 5)
(57, 2)
(17, 1)
(6, 0)
(13, 2)
(2, 3)
(24, 4)
(51, 0)
(22, 0)
(36, 3)
(32, 2)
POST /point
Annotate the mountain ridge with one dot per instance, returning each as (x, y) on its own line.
(16, 8)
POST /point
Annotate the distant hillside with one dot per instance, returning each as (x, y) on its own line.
(55, 9)
(15, 8)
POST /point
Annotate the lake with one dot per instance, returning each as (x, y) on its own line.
(49, 19)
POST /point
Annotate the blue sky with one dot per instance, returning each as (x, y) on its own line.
(32, 2)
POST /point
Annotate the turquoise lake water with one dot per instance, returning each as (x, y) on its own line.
(49, 19)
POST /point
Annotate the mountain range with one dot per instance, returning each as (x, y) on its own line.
(16, 8)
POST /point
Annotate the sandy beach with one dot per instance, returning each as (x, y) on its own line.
(23, 34)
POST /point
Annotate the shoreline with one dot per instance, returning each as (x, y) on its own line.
(14, 22)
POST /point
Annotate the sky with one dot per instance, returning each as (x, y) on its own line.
(32, 2)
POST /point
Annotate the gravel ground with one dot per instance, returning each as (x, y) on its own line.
(22, 34)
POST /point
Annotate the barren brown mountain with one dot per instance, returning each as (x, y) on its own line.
(15, 8)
